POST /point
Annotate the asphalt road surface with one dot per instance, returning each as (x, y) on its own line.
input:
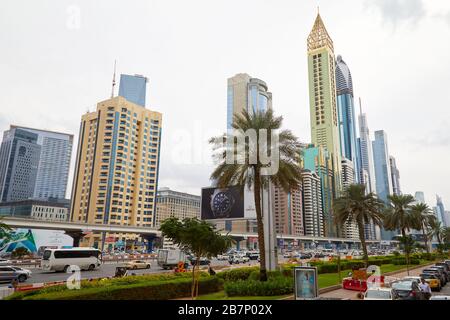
(106, 270)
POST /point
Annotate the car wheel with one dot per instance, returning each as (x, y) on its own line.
(91, 267)
(66, 268)
(22, 278)
(134, 267)
(149, 266)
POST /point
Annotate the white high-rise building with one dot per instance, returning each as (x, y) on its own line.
(312, 204)
(350, 229)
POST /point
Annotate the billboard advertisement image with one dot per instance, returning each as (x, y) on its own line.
(224, 203)
(306, 286)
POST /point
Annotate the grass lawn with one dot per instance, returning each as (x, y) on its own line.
(222, 296)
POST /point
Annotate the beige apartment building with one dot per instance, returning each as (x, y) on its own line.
(116, 171)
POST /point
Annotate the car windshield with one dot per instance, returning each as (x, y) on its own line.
(378, 294)
(402, 285)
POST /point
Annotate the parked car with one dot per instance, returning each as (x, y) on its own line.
(408, 290)
(138, 264)
(440, 298)
(8, 273)
(445, 268)
(381, 294)
(438, 273)
(222, 257)
(433, 280)
(5, 262)
(253, 255)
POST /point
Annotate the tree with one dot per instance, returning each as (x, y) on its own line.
(438, 231)
(399, 216)
(407, 242)
(360, 207)
(4, 228)
(422, 215)
(196, 236)
(250, 168)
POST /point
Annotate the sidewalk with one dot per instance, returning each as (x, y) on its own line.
(352, 295)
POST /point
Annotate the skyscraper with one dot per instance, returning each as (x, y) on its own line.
(441, 212)
(366, 156)
(346, 115)
(395, 176)
(288, 210)
(133, 88)
(19, 162)
(419, 196)
(312, 205)
(350, 229)
(322, 96)
(116, 173)
(245, 92)
(383, 174)
(318, 160)
(176, 204)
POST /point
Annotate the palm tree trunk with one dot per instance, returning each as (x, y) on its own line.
(425, 237)
(259, 219)
(406, 251)
(362, 238)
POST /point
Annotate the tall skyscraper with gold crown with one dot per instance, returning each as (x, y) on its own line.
(322, 102)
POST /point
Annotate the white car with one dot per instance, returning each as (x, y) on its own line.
(380, 294)
(5, 262)
(440, 298)
(415, 278)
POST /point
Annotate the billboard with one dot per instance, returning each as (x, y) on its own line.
(305, 283)
(33, 240)
(222, 203)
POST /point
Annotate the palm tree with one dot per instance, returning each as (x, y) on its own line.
(437, 230)
(249, 168)
(399, 216)
(422, 215)
(356, 205)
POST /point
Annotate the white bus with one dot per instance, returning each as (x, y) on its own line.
(62, 259)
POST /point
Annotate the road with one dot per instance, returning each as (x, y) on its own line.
(106, 270)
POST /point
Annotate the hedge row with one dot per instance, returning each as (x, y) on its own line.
(275, 286)
(402, 261)
(143, 290)
(237, 274)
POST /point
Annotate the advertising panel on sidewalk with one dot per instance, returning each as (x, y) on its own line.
(305, 283)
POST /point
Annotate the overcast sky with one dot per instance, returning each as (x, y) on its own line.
(57, 57)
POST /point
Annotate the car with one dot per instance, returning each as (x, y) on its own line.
(381, 294)
(138, 264)
(441, 272)
(438, 273)
(203, 261)
(28, 272)
(407, 290)
(222, 257)
(245, 259)
(414, 278)
(433, 280)
(447, 262)
(9, 273)
(445, 269)
(5, 262)
(253, 255)
(440, 298)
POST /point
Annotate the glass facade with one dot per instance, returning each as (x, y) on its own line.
(133, 88)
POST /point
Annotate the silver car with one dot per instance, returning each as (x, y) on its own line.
(9, 273)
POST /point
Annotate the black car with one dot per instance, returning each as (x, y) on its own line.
(408, 290)
(446, 268)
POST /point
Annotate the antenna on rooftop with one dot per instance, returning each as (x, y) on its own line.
(113, 80)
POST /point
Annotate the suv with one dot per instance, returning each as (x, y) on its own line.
(446, 268)
(408, 290)
(9, 273)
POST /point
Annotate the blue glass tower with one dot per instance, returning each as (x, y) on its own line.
(383, 175)
(346, 115)
(133, 88)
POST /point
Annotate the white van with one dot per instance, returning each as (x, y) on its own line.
(61, 259)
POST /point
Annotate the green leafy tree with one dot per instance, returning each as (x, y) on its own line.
(437, 231)
(4, 229)
(399, 216)
(422, 214)
(196, 236)
(250, 171)
(356, 205)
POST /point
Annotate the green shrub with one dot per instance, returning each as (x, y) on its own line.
(144, 290)
(272, 287)
(254, 275)
(237, 274)
(402, 261)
